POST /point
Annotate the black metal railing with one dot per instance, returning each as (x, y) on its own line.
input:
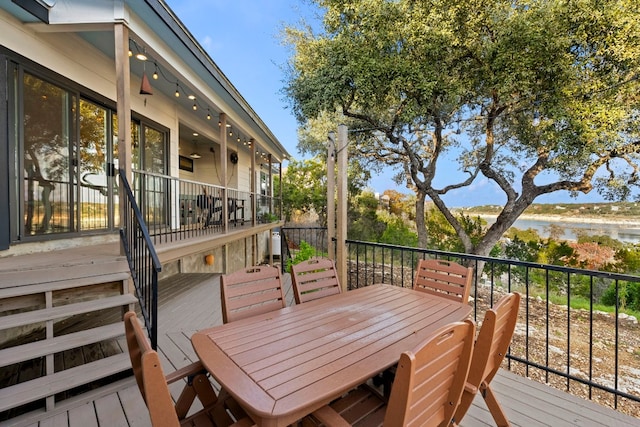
(555, 342)
(144, 263)
(176, 209)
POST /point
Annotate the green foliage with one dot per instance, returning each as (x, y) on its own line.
(522, 250)
(600, 240)
(305, 252)
(628, 296)
(397, 231)
(512, 90)
(556, 253)
(304, 188)
(527, 235)
(441, 234)
(628, 260)
(364, 223)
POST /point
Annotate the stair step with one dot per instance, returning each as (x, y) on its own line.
(62, 273)
(57, 285)
(54, 345)
(63, 311)
(49, 385)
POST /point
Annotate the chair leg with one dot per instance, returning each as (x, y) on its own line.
(466, 400)
(199, 386)
(185, 400)
(494, 406)
(203, 389)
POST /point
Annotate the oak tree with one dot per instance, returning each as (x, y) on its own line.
(529, 96)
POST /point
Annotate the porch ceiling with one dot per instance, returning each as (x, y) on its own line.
(93, 22)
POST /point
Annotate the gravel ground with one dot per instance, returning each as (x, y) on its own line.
(568, 338)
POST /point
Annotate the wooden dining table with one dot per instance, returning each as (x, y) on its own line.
(283, 365)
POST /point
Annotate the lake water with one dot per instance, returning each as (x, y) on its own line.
(627, 233)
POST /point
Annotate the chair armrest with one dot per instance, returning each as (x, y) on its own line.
(192, 369)
(329, 417)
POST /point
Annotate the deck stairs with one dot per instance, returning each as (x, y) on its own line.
(61, 324)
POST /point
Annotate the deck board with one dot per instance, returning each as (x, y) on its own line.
(83, 416)
(192, 302)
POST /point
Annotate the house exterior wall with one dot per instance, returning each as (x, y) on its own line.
(67, 56)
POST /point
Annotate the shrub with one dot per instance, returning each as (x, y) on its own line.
(306, 252)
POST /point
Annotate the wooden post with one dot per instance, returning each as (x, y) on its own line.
(123, 106)
(223, 172)
(341, 232)
(224, 216)
(331, 194)
(255, 199)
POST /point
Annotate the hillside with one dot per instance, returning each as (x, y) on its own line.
(622, 211)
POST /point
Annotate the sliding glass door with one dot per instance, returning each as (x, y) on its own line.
(66, 151)
(48, 157)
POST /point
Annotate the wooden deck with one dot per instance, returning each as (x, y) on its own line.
(192, 301)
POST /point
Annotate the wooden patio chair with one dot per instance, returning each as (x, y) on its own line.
(444, 278)
(314, 278)
(218, 411)
(251, 291)
(426, 389)
(490, 349)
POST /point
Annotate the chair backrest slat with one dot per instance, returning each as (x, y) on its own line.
(314, 278)
(429, 380)
(251, 291)
(494, 338)
(444, 278)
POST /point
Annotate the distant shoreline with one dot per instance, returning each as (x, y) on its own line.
(573, 219)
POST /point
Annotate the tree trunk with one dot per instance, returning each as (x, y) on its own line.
(420, 220)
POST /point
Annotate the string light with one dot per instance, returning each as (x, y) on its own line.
(141, 54)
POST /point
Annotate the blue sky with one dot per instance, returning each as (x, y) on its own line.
(242, 37)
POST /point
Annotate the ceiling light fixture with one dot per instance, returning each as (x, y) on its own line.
(195, 155)
(177, 90)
